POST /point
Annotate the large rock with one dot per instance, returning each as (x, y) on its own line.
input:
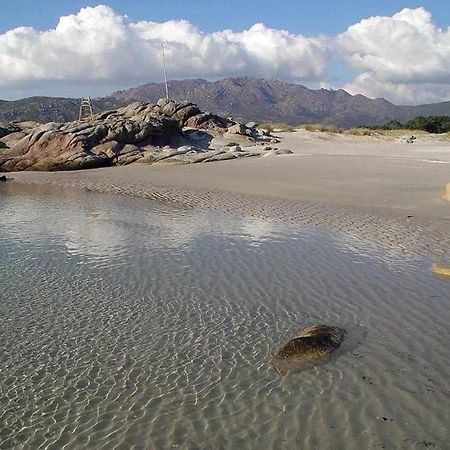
(169, 108)
(110, 149)
(97, 142)
(8, 129)
(118, 137)
(185, 111)
(312, 346)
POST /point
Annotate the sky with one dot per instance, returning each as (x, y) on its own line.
(399, 50)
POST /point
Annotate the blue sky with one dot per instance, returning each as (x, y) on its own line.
(297, 16)
(400, 54)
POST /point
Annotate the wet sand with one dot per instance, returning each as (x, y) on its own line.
(377, 188)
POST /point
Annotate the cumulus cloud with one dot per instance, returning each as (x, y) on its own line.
(404, 58)
(98, 45)
(400, 93)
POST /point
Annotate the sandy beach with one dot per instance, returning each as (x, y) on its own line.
(225, 228)
(374, 187)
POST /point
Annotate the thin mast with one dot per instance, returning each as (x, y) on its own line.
(165, 70)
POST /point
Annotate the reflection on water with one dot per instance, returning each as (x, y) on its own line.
(130, 324)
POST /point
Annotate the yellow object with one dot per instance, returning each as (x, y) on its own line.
(446, 193)
(440, 270)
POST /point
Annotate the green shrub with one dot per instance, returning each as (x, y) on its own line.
(320, 127)
(432, 124)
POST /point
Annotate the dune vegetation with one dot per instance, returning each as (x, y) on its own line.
(394, 128)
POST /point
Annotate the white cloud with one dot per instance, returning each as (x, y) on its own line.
(400, 93)
(98, 46)
(405, 58)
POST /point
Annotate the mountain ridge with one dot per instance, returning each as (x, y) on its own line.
(250, 98)
(243, 98)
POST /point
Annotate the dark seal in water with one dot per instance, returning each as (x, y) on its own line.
(312, 346)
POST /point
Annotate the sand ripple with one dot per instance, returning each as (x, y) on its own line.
(129, 324)
(409, 234)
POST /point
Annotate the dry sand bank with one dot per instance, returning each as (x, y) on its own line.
(375, 188)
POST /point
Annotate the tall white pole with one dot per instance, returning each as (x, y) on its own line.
(165, 70)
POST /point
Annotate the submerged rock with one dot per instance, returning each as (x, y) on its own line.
(313, 345)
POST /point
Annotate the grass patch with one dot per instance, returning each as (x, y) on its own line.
(355, 131)
(361, 131)
(324, 128)
(276, 126)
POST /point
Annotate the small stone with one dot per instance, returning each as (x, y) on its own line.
(234, 148)
(284, 151)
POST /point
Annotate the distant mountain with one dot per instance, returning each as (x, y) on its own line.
(276, 101)
(244, 98)
(50, 109)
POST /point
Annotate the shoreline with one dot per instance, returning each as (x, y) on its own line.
(406, 235)
(382, 191)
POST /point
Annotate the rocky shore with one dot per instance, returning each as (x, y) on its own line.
(166, 132)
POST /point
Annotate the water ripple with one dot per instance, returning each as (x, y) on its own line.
(127, 324)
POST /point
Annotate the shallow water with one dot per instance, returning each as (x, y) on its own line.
(126, 323)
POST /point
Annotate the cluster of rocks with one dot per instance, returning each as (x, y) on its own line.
(165, 132)
(409, 139)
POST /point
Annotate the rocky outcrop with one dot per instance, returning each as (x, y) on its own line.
(167, 132)
(8, 129)
(313, 345)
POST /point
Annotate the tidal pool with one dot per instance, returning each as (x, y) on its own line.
(127, 323)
